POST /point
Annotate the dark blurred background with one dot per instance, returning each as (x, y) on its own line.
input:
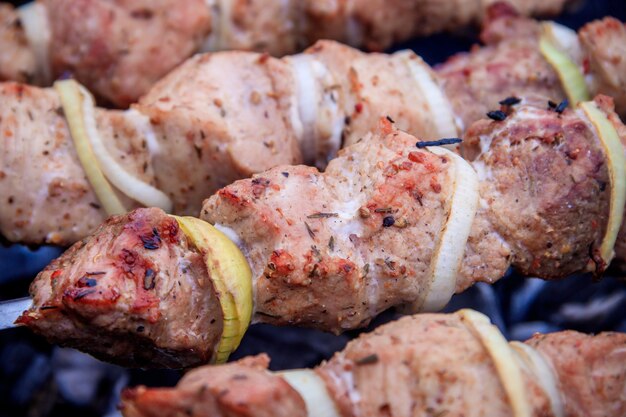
(37, 379)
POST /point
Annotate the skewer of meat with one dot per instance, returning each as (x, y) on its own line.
(386, 225)
(224, 116)
(432, 365)
(120, 49)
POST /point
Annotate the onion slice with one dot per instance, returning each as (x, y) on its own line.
(450, 248)
(569, 73)
(34, 19)
(312, 390)
(72, 103)
(503, 358)
(441, 114)
(231, 277)
(544, 373)
(131, 186)
(616, 162)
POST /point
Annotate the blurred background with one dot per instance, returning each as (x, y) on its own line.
(37, 379)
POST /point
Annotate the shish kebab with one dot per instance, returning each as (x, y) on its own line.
(120, 49)
(224, 116)
(388, 224)
(453, 365)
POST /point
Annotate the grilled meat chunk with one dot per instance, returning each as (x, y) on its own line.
(46, 197)
(333, 250)
(243, 388)
(604, 45)
(119, 49)
(138, 287)
(429, 364)
(17, 60)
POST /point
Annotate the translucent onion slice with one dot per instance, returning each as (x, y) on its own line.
(616, 161)
(544, 373)
(313, 391)
(72, 103)
(231, 277)
(569, 73)
(441, 114)
(503, 358)
(131, 186)
(564, 39)
(450, 248)
(34, 20)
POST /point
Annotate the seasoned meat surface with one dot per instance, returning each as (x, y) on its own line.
(119, 49)
(509, 65)
(364, 230)
(46, 197)
(590, 369)
(551, 220)
(219, 118)
(604, 45)
(430, 364)
(17, 60)
(136, 292)
(243, 388)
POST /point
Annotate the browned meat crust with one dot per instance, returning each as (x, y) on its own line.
(333, 250)
(420, 365)
(137, 293)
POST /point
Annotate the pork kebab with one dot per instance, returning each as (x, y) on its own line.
(120, 49)
(224, 116)
(457, 365)
(388, 224)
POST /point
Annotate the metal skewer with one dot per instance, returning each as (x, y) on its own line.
(11, 310)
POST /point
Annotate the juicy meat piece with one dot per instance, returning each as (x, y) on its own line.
(17, 61)
(119, 49)
(590, 369)
(136, 293)
(364, 231)
(509, 65)
(550, 219)
(219, 118)
(244, 388)
(604, 45)
(46, 197)
(429, 364)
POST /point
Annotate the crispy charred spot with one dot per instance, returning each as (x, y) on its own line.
(259, 185)
(388, 221)
(86, 282)
(497, 115)
(152, 240)
(510, 101)
(282, 263)
(232, 197)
